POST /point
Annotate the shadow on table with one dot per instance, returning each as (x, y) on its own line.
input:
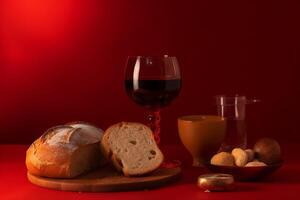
(285, 175)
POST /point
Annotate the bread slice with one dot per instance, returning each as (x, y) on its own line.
(132, 148)
(65, 151)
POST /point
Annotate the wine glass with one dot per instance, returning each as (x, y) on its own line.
(153, 82)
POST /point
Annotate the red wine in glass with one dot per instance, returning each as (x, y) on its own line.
(153, 94)
(153, 82)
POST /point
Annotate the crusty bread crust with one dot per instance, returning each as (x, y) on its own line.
(40, 157)
(63, 160)
(106, 151)
(117, 162)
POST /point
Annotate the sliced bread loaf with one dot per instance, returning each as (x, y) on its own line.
(132, 148)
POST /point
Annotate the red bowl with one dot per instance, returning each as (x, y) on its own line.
(246, 173)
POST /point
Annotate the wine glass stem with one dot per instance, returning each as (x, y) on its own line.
(154, 124)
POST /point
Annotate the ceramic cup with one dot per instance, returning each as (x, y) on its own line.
(202, 136)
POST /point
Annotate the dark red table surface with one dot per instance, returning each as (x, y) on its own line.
(283, 184)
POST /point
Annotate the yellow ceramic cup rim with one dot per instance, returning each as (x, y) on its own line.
(199, 118)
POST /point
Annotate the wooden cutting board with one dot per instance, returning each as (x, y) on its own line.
(107, 180)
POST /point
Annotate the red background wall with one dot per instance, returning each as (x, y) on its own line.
(63, 60)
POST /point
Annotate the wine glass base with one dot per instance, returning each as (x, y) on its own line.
(171, 164)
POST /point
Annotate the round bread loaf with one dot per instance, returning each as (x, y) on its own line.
(65, 151)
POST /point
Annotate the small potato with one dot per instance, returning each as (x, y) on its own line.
(250, 154)
(223, 159)
(255, 163)
(268, 150)
(240, 157)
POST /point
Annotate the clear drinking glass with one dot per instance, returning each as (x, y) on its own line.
(233, 108)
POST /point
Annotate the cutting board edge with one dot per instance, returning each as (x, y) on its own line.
(153, 184)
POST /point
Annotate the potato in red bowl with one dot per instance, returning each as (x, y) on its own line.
(252, 173)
